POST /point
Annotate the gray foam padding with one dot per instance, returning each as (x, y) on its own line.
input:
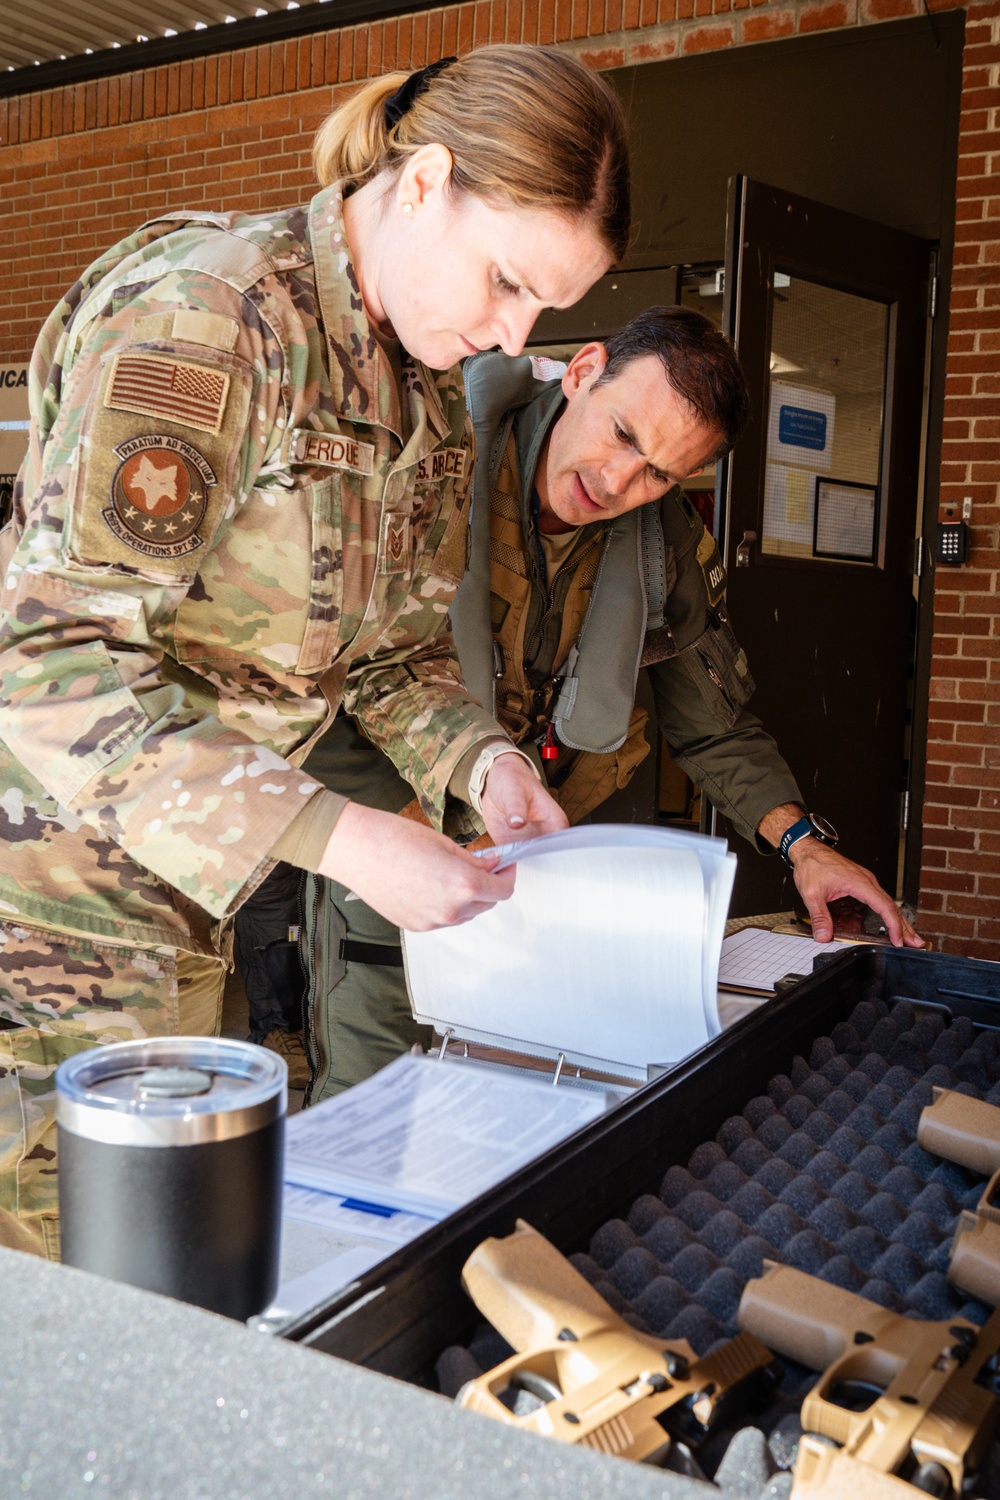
(822, 1172)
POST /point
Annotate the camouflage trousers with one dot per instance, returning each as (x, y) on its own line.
(60, 995)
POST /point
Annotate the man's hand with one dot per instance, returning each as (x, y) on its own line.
(415, 877)
(516, 805)
(822, 875)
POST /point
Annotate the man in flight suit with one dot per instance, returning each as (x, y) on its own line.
(588, 561)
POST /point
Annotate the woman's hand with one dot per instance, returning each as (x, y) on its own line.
(515, 804)
(411, 875)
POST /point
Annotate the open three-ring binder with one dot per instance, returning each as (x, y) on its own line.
(599, 972)
(603, 962)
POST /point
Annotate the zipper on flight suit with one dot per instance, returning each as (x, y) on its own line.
(315, 1052)
(545, 605)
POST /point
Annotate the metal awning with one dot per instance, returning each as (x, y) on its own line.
(57, 30)
(56, 42)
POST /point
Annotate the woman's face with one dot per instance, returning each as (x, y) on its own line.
(456, 274)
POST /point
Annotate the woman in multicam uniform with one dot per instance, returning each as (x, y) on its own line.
(244, 508)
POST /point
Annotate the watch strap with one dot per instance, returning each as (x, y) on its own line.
(806, 827)
(481, 768)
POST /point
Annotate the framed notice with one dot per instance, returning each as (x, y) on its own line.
(844, 517)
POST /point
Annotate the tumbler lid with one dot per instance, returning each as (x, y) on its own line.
(170, 1091)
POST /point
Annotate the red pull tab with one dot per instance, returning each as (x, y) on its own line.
(550, 750)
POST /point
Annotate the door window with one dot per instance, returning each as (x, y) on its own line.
(824, 423)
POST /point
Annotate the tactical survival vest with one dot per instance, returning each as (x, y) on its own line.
(622, 624)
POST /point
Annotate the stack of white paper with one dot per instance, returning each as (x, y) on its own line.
(608, 951)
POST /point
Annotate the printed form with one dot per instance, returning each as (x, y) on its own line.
(425, 1137)
(755, 959)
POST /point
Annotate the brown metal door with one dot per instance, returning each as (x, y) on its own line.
(819, 509)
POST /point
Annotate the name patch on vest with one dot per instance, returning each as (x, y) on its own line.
(331, 450)
(446, 463)
(712, 570)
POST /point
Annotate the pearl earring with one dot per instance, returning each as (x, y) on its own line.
(407, 208)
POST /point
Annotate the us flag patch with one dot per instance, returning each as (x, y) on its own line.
(157, 386)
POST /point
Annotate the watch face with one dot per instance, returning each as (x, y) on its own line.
(824, 829)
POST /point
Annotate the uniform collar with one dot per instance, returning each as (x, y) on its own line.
(361, 378)
(531, 427)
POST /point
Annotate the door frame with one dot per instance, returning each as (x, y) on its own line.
(925, 484)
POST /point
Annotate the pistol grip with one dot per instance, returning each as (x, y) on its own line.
(531, 1293)
(807, 1319)
(975, 1257)
(962, 1130)
(825, 1473)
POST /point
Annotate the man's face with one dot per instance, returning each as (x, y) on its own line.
(617, 446)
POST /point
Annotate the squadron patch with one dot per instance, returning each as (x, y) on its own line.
(158, 496)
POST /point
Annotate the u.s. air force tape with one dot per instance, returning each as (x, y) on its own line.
(331, 450)
(444, 463)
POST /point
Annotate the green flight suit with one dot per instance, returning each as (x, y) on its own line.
(358, 1014)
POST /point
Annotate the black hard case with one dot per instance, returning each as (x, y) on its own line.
(401, 1315)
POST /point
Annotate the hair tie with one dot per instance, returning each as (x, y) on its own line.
(397, 104)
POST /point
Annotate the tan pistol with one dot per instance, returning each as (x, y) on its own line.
(975, 1250)
(963, 1130)
(901, 1399)
(600, 1382)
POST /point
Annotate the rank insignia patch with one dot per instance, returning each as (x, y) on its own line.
(157, 386)
(395, 542)
(158, 496)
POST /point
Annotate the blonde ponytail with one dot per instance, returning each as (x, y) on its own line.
(527, 126)
(353, 144)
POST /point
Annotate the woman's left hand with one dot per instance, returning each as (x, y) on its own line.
(516, 805)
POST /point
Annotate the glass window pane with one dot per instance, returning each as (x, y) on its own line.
(824, 434)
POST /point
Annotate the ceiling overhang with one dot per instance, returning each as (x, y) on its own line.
(71, 41)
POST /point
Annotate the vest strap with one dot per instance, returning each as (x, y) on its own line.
(654, 565)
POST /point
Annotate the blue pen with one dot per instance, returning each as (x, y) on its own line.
(379, 1209)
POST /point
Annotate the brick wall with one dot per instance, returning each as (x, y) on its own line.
(960, 878)
(83, 165)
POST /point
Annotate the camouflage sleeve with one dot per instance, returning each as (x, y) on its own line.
(158, 407)
(412, 703)
(407, 693)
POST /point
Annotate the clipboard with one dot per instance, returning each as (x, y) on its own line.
(756, 960)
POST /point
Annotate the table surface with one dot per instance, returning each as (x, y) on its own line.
(108, 1390)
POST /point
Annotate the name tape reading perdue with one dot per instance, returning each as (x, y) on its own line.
(334, 451)
(331, 450)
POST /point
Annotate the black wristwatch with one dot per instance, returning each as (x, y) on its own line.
(809, 825)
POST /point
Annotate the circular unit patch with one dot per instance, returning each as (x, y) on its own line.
(159, 495)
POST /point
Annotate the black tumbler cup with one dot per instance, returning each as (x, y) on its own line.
(170, 1168)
